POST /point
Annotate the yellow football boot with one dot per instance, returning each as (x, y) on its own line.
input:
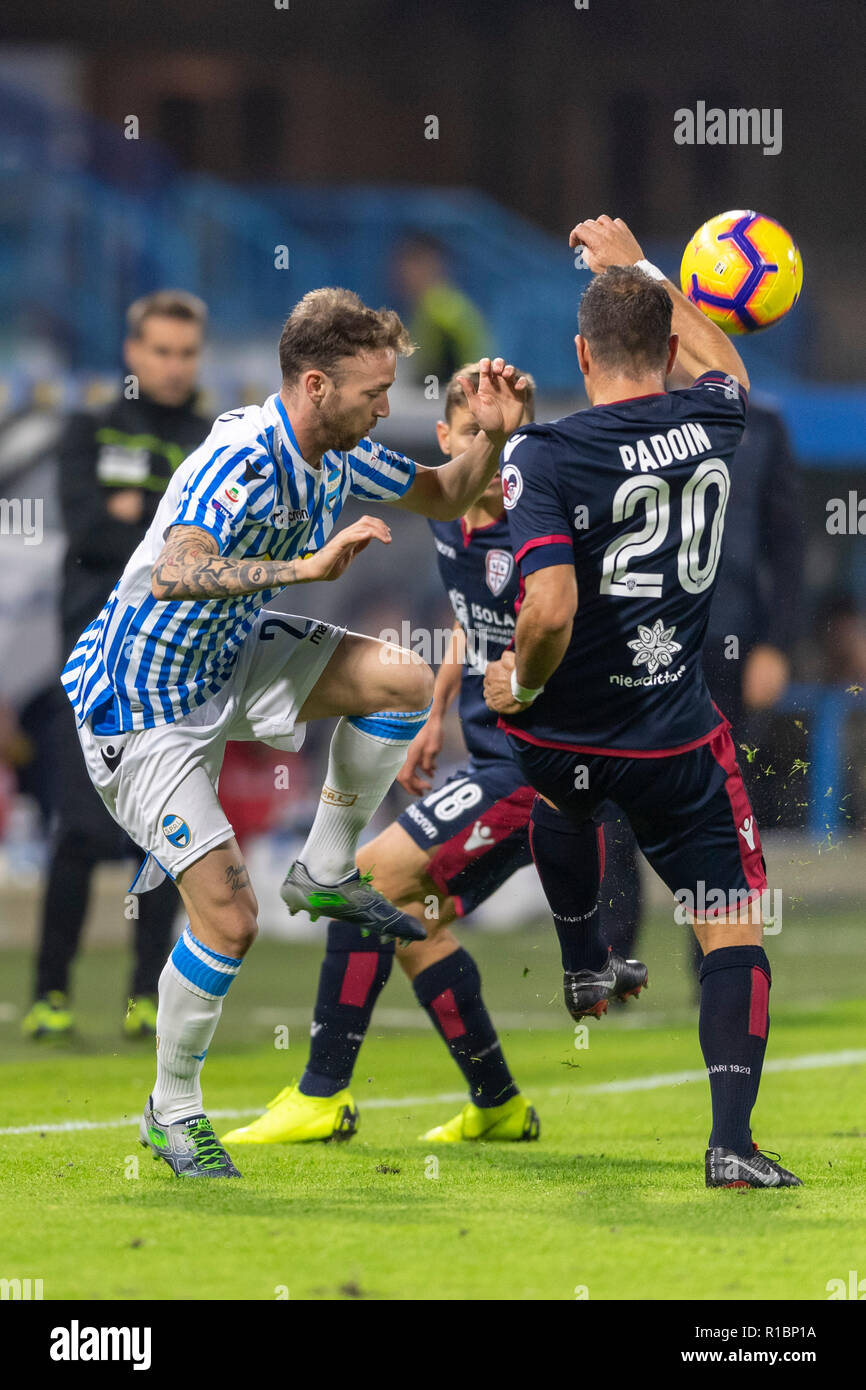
(515, 1120)
(293, 1118)
(49, 1017)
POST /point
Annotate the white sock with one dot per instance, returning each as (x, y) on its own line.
(192, 986)
(366, 754)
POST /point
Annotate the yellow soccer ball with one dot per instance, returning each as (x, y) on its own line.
(743, 270)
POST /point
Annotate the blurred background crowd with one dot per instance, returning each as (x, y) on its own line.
(242, 174)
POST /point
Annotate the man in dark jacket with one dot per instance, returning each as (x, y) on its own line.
(754, 621)
(114, 466)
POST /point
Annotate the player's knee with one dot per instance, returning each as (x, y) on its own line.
(238, 928)
(418, 955)
(410, 683)
(237, 920)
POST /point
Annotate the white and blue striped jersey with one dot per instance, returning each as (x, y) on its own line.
(144, 662)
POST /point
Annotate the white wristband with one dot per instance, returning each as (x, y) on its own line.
(651, 270)
(523, 693)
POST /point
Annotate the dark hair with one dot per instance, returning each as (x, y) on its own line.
(455, 396)
(329, 324)
(169, 304)
(625, 317)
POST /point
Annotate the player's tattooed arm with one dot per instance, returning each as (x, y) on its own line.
(189, 566)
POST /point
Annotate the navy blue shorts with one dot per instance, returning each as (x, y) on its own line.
(477, 825)
(689, 811)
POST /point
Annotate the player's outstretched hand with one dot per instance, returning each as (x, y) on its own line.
(335, 558)
(422, 753)
(497, 686)
(498, 403)
(605, 241)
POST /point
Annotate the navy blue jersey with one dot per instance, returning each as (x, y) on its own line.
(633, 494)
(479, 573)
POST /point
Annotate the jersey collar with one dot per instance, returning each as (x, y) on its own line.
(476, 530)
(291, 441)
(626, 400)
(287, 425)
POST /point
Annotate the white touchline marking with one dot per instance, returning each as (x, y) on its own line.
(811, 1061)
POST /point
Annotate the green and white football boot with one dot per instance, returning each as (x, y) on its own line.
(352, 899)
(189, 1147)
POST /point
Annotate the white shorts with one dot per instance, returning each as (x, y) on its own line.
(160, 783)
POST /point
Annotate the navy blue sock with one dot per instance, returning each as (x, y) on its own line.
(450, 991)
(352, 976)
(620, 902)
(734, 1022)
(566, 856)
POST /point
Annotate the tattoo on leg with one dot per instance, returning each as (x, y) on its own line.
(237, 877)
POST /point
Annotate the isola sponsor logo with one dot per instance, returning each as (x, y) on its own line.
(175, 830)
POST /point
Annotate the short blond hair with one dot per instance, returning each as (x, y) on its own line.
(455, 396)
(170, 304)
(328, 324)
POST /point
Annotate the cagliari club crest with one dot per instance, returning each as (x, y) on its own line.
(499, 564)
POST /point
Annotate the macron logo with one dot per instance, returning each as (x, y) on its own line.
(76, 1343)
(481, 835)
(747, 830)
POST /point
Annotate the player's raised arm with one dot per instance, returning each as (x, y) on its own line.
(445, 493)
(703, 347)
(189, 566)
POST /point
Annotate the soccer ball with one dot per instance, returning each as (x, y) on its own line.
(743, 270)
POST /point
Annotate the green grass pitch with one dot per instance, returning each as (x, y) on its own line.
(609, 1205)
